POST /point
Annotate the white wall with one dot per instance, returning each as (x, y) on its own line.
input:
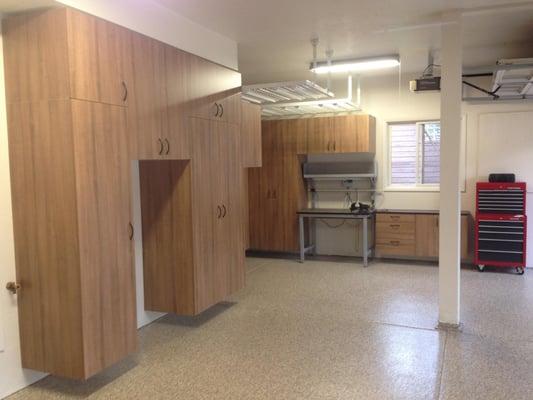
(156, 21)
(382, 98)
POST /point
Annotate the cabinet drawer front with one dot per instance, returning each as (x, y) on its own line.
(388, 229)
(395, 248)
(392, 218)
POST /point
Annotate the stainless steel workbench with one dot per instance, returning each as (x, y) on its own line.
(314, 213)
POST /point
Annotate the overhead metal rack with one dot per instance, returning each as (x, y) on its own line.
(298, 98)
(512, 80)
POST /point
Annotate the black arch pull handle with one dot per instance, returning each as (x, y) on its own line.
(132, 231)
(161, 146)
(168, 146)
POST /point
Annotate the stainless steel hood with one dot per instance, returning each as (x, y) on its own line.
(340, 167)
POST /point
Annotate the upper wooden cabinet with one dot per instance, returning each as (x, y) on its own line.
(64, 53)
(71, 211)
(211, 89)
(147, 114)
(341, 134)
(251, 134)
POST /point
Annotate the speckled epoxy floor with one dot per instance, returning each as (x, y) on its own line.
(331, 330)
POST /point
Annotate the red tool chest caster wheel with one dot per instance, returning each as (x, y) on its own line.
(480, 268)
(520, 270)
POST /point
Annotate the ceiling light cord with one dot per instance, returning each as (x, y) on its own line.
(314, 43)
(329, 56)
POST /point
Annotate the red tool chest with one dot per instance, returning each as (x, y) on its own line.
(501, 225)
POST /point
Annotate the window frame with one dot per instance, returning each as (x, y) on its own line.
(422, 187)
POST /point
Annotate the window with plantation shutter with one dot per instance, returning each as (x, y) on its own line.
(414, 154)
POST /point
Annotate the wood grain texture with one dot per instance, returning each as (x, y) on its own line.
(106, 255)
(366, 133)
(277, 189)
(167, 236)
(211, 84)
(36, 56)
(232, 239)
(250, 135)
(427, 235)
(99, 58)
(147, 117)
(321, 136)
(46, 240)
(178, 72)
(204, 216)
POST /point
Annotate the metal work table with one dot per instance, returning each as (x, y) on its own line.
(314, 213)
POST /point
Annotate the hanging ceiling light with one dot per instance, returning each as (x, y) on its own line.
(357, 65)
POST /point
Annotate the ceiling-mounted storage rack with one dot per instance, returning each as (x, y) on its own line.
(299, 98)
(512, 79)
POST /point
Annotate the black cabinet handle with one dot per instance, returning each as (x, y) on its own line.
(218, 109)
(224, 207)
(328, 145)
(124, 91)
(222, 112)
(160, 146)
(219, 212)
(131, 231)
(168, 145)
(335, 145)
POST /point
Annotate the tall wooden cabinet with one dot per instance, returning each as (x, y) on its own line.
(70, 187)
(85, 97)
(200, 214)
(277, 190)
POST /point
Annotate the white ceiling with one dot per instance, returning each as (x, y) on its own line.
(274, 35)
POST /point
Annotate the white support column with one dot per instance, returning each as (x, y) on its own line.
(450, 200)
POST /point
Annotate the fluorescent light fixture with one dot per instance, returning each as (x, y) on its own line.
(358, 65)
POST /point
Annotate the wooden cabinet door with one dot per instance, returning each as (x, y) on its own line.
(205, 199)
(229, 245)
(321, 135)
(427, 235)
(345, 128)
(99, 59)
(148, 99)
(366, 133)
(178, 72)
(250, 134)
(104, 214)
(211, 87)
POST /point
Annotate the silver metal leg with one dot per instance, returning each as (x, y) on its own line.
(302, 238)
(365, 242)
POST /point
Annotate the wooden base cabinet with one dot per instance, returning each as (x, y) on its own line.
(70, 187)
(192, 223)
(414, 235)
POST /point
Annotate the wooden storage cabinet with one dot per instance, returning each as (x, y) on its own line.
(85, 97)
(276, 190)
(341, 134)
(70, 187)
(414, 235)
(63, 53)
(395, 234)
(192, 230)
(251, 135)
